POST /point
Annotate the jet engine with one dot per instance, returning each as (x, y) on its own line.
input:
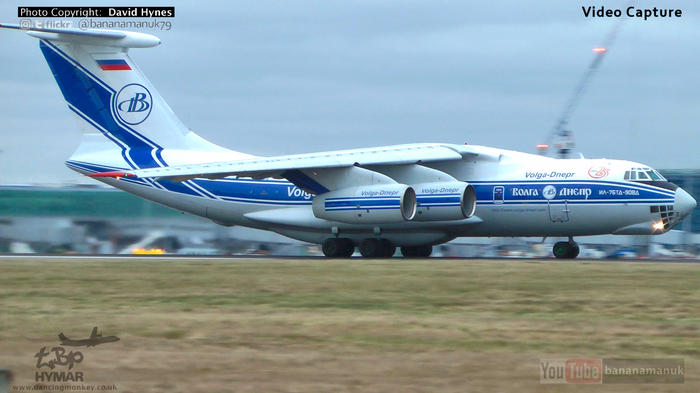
(375, 204)
(445, 201)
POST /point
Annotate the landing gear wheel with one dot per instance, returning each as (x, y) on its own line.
(349, 248)
(417, 251)
(332, 248)
(337, 248)
(560, 249)
(575, 249)
(566, 250)
(389, 248)
(371, 248)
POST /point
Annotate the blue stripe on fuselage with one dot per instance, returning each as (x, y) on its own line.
(571, 191)
(276, 192)
(573, 183)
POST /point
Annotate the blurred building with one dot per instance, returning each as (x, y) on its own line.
(103, 220)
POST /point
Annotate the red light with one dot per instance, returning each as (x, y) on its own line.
(599, 50)
(542, 146)
(115, 174)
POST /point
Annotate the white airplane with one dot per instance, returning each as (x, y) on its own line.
(410, 196)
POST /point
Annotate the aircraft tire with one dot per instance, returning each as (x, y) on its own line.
(348, 248)
(416, 251)
(332, 248)
(566, 250)
(424, 251)
(371, 248)
(389, 248)
(575, 249)
(561, 250)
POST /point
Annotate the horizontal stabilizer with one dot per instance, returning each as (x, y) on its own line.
(114, 38)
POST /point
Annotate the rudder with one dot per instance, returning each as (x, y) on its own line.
(123, 106)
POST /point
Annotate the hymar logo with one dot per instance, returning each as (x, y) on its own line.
(58, 357)
(598, 172)
(61, 359)
(133, 104)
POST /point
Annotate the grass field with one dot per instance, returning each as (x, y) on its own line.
(347, 326)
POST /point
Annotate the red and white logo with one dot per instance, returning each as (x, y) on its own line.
(571, 371)
(598, 172)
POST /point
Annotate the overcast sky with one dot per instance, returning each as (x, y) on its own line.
(284, 77)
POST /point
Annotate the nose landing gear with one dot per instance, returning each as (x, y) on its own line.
(566, 250)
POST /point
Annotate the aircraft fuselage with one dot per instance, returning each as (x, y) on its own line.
(517, 194)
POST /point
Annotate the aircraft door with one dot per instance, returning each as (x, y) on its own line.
(498, 194)
(558, 210)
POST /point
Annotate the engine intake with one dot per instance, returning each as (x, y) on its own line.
(376, 204)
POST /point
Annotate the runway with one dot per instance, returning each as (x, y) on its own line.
(176, 257)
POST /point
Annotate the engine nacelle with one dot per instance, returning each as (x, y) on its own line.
(376, 204)
(446, 201)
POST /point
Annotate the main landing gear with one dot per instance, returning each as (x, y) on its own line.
(371, 248)
(566, 250)
(338, 248)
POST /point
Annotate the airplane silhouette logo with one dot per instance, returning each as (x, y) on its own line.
(95, 339)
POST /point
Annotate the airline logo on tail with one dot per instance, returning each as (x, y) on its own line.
(133, 104)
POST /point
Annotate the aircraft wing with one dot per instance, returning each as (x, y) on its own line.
(259, 168)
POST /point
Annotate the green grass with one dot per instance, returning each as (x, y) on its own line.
(391, 313)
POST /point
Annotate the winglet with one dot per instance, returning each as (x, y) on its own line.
(115, 174)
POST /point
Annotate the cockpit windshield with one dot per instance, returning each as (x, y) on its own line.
(646, 174)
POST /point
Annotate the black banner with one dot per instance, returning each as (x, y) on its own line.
(96, 12)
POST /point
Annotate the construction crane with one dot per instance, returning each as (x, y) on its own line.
(560, 137)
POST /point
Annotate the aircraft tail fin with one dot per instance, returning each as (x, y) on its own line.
(62, 337)
(94, 333)
(109, 94)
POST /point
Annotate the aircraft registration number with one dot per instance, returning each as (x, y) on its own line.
(618, 192)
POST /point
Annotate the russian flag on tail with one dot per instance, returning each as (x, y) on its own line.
(113, 65)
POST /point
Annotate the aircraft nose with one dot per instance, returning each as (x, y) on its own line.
(683, 203)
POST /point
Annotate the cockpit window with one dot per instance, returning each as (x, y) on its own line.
(653, 175)
(643, 174)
